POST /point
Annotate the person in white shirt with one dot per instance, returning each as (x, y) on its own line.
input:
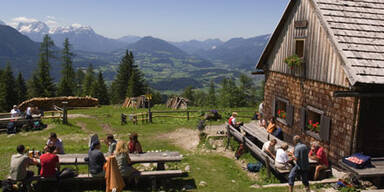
(269, 148)
(283, 160)
(28, 113)
(15, 112)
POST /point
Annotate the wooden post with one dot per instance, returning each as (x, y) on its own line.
(187, 115)
(65, 120)
(228, 137)
(142, 118)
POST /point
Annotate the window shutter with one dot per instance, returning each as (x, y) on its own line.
(274, 107)
(290, 115)
(325, 125)
(302, 116)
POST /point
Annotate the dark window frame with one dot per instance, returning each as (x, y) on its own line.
(286, 101)
(307, 131)
(303, 40)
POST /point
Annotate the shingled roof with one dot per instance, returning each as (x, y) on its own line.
(356, 27)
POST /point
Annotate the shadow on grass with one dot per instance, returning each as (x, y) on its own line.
(175, 184)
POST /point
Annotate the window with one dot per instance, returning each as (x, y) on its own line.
(299, 47)
(315, 123)
(281, 109)
(313, 118)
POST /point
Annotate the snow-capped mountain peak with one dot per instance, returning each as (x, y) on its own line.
(74, 28)
(33, 27)
(2, 23)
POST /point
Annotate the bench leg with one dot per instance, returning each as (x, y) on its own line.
(154, 183)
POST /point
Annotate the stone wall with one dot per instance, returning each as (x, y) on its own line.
(301, 93)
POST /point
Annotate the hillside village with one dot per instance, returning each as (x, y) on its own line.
(294, 110)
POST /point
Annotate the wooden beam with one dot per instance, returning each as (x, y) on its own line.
(356, 94)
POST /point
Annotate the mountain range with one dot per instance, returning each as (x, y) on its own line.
(166, 65)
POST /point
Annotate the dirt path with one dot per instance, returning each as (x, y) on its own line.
(73, 116)
(83, 127)
(107, 128)
(189, 139)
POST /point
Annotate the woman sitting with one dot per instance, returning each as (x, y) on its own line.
(123, 161)
(283, 161)
(134, 144)
(271, 126)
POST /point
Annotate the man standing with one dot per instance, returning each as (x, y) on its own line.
(302, 164)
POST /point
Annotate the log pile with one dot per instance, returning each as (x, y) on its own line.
(135, 102)
(177, 103)
(48, 103)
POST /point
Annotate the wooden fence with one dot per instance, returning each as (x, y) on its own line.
(146, 117)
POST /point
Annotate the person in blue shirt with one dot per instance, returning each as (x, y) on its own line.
(302, 164)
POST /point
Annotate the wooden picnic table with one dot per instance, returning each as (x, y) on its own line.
(376, 171)
(147, 157)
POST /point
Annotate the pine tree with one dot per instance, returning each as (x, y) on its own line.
(99, 90)
(8, 96)
(67, 82)
(212, 95)
(188, 93)
(129, 80)
(88, 81)
(42, 83)
(79, 78)
(21, 88)
(136, 86)
(120, 84)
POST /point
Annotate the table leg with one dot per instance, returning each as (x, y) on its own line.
(160, 166)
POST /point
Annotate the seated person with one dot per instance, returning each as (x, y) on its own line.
(232, 121)
(19, 163)
(123, 161)
(134, 144)
(96, 161)
(272, 125)
(58, 143)
(93, 139)
(283, 161)
(49, 162)
(15, 112)
(318, 154)
(111, 143)
(269, 148)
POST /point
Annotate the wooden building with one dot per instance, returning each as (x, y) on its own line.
(336, 95)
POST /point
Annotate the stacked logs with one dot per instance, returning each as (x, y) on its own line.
(48, 103)
(177, 103)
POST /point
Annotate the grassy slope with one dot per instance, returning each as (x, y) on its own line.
(216, 170)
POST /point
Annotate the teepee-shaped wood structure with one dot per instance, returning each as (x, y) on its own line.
(177, 103)
(135, 102)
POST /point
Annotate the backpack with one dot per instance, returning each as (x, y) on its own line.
(67, 173)
(254, 167)
(11, 127)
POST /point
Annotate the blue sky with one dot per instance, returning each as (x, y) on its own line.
(173, 20)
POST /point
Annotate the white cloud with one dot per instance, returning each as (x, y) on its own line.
(24, 20)
(15, 21)
(50, 17)
(51, 23)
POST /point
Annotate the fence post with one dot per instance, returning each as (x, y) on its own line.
(65, 120)
(187, 114)
(150, 117)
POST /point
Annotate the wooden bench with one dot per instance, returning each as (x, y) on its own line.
(87, 182)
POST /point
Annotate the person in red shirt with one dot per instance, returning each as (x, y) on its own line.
(318, 154)
(49, 163)
(134, 145)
